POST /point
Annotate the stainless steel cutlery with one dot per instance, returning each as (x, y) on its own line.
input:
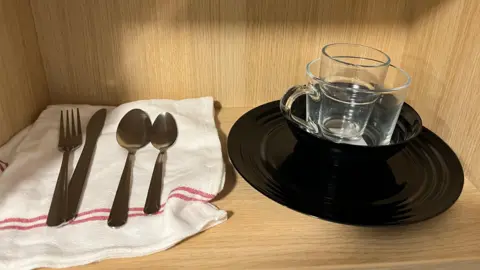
(134, 131)
(69, 139)
(77, 183)
(163, 135)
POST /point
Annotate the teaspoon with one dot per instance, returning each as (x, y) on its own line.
(164, 134)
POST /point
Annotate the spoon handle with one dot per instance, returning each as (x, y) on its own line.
(119, 212)
(152, 204)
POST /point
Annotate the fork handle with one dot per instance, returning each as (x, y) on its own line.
(58, 207)
(119, 212)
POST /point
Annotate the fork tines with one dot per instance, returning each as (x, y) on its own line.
(71, 130)
(69, 139)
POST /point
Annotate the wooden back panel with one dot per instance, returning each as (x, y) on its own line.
(242, 52)
(443, 55)
(23, 88)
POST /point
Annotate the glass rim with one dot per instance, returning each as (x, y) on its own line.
(382, 90)
(408, 80)
(382, 63)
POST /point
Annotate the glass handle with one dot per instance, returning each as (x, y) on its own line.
(286, 105)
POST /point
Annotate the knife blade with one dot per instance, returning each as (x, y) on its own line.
(77, 183)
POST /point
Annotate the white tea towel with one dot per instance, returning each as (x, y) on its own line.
(7, 151)
(194, 175)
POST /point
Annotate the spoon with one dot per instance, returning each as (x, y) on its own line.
(133, 133)
(164, 134)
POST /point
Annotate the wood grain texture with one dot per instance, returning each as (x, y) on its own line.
(242, 52)
(23, 88)
(261, 234)
(442, 54)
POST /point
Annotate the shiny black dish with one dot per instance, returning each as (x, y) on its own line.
(421, 181)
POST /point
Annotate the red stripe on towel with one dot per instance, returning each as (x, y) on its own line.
(133, 212)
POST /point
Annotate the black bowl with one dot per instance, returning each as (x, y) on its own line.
(409, 126)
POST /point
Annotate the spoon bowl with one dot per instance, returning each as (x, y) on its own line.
(134, 130)
(164, 131)
(133, 133)
(164, 134)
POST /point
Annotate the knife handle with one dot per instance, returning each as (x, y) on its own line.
(152, 204)
(77, 183)
(119, 212)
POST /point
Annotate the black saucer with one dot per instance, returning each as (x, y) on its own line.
(421, 181)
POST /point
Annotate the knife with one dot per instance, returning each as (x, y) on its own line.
(76, 185)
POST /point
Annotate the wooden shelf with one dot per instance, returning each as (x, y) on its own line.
(263, 234)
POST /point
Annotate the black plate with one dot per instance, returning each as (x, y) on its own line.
(413, 185)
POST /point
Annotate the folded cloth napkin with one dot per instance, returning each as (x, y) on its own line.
(194, 175)
(7, 151)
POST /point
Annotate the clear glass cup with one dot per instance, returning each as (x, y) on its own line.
(341, 91)
(387, 107)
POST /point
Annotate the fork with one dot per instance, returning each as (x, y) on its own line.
(69, 139)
